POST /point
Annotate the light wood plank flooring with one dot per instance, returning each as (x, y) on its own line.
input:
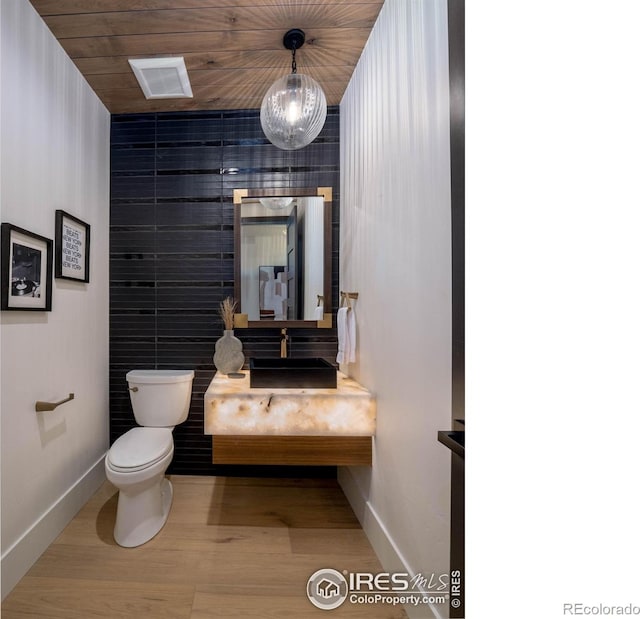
(232, 547)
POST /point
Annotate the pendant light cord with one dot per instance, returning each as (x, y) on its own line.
(294, 67)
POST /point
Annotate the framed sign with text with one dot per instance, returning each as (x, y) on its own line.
(72, 247)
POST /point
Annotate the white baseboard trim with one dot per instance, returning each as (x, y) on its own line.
(383, 544)
(18, 559)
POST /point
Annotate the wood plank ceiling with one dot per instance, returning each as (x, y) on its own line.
(232, 48)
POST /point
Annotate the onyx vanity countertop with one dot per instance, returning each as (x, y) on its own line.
(232, 407)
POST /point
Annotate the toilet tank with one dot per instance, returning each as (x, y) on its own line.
(160, 398)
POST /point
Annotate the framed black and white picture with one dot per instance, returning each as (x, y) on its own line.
(72, 247)
(26, 260)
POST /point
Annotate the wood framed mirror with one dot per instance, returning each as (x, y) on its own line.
(282, 257)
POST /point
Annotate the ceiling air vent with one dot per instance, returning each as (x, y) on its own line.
(162, 78)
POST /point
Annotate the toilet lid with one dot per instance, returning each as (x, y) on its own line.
(139, 448)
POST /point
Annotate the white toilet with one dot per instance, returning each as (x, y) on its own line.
(137, 461)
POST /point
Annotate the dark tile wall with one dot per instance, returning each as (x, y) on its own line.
(171, 256)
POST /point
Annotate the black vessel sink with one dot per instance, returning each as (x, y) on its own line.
(303, 373)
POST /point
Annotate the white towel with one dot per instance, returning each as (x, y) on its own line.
(318, 313)
(341, 320)
(351, 335)
(346, 319)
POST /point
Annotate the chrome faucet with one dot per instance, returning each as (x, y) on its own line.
(283, 343)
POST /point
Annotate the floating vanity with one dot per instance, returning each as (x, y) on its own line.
(289, 425)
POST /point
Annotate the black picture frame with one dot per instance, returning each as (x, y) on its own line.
(73, 242)
(26, 262)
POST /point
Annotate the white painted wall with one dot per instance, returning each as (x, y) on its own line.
(395, 250)
(54, 155)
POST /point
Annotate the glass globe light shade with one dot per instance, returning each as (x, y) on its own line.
(276, 204)
(293, 111)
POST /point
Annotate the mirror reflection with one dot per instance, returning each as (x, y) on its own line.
(282, 258)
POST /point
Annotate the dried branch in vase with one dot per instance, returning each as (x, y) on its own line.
(227, 310)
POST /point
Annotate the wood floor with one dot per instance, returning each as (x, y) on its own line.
(232, 547)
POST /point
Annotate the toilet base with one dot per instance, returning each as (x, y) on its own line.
(141, 515)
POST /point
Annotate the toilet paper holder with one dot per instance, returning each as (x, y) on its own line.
(49, 406)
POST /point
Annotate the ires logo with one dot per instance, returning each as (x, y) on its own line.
(398, 581)
(328, 588)
(455, 593)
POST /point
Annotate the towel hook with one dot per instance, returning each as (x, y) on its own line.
(346, 297)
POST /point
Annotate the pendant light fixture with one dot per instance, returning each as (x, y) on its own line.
(294, 109)
(276, 204)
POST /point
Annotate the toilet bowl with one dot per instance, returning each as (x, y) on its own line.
(137, 461)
